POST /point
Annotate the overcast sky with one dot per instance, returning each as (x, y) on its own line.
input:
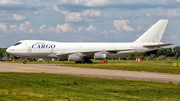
(86, 20)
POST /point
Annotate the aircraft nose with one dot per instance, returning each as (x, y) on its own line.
(10, 50)
(7, 50)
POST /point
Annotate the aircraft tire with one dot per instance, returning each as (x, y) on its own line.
(88, 61)
(78, 61)
(24, 62)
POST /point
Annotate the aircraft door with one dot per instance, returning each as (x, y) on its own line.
(135, 49)
(29, 50)
(52, 51)
(79, 49)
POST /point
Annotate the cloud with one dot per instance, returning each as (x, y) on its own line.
(91, 13)
(74, 16)
(89, 20)
(170, 13)
(121, 25)
(148, 15)
(6, 16)
(12, 5)
(50, 29)
(173, 37)
(10, 2)
(80, 28)
(42, 27)
(65, 27)
(78, 16)
(96, 2)
(138, 28)
(28, 29)
(90, 3)
(36, 13)
(3, 27)
(23, 28)
(170, 33)
(104, 32)
(114, 31)
(91, 28)
(18, 17)
(128, 4)
(118, 4)
(58, 29)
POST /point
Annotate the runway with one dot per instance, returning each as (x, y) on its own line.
(54, 68)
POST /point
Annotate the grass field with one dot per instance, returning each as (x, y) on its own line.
(161, 66)
(41, 86)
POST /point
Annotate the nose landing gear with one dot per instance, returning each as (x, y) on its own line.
(24, 62)
(85, 61)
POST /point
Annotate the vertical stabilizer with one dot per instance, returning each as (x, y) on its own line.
(154, 34)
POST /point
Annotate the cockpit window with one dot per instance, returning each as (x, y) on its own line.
(17, 43)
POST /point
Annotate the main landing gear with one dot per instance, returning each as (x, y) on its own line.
(84, 61)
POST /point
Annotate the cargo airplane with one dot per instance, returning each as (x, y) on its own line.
(84, 52)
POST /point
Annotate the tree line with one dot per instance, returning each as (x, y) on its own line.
(3, 52)
(168, 52)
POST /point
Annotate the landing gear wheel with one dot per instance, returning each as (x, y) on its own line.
(24, 62)
(88, 61)
(78, 61)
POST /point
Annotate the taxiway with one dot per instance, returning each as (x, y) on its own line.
(105, 73)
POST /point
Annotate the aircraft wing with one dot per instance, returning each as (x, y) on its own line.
(158, 45)
(115, 51)
(91, 52)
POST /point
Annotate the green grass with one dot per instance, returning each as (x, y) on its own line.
(161, 66)
(41, 86)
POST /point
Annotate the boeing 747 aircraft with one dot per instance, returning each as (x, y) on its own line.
(84, 52)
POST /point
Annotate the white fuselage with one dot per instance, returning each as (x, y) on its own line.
(50, 49)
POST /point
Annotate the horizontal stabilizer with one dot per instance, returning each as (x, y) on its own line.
(158, 45)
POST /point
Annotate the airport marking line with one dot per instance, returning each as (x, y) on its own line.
(28, 68)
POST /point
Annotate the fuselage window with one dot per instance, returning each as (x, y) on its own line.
(17, 43)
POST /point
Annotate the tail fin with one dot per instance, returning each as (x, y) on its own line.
(154, 34)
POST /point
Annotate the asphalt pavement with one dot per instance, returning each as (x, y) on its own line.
(104, 73)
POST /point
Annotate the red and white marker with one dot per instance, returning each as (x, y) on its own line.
(138, 59)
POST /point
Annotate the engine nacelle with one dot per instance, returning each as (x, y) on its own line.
(74, 57)
(100, 56)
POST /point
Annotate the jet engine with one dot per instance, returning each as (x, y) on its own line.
(74, 57)
(100, 56)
